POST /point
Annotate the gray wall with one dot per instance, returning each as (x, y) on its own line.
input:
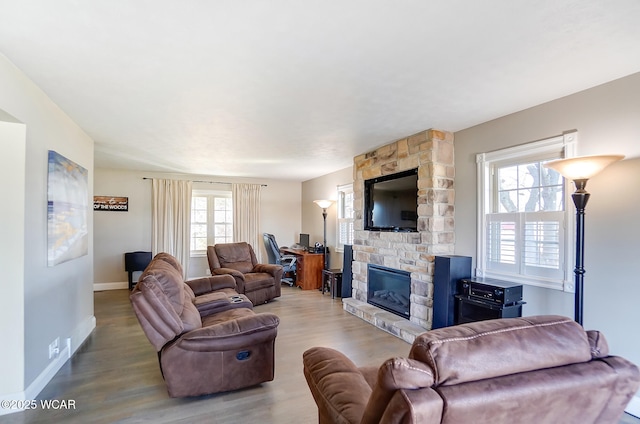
(58, 301)
(321, 188)
(119, 232)
(13, 136)
(607, 118)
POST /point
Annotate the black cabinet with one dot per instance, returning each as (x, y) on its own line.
(135, 261)
(332, 282)
(471, 309)
(480, 299)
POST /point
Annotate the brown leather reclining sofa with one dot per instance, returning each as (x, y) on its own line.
(207, 335)
(543, 369)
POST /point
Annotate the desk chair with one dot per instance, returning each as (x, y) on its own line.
(288, 262)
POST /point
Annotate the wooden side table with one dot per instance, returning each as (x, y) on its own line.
(332, 278)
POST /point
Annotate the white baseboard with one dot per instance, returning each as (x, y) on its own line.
(634, 406)
(67, 349)
(110, 286)
(78, 336)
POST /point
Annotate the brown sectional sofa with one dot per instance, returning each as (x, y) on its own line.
(537, 370)
(207, 335)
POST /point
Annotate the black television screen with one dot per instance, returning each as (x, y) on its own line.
(391, 202)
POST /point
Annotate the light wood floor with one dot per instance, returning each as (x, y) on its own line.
(114, 376)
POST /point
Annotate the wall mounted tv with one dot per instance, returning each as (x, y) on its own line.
(391, 202)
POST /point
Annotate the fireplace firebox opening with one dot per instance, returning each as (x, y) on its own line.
(389, 289)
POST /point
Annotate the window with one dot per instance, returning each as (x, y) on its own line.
(198, 223)
(522, 218)
(345, 216)
(211, 220)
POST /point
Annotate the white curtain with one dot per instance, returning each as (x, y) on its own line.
(246, 215)
(172, 219)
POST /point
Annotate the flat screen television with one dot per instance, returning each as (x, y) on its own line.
(391, 202)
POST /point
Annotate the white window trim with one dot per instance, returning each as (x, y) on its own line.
(565, 143)
(346, 188)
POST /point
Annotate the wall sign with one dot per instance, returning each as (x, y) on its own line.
(110, 203)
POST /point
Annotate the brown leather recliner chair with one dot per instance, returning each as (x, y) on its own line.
(537, 370)
(259, 282)
(218, 345)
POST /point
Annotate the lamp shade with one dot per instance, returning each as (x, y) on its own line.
(324, 204)
(582, 168)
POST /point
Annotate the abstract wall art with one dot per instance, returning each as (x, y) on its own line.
(67, 206)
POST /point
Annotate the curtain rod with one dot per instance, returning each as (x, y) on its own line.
(209, 182)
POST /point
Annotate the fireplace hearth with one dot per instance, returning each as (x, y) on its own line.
(389, 289)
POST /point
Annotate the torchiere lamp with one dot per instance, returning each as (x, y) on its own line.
(324, 204)
(579, 170)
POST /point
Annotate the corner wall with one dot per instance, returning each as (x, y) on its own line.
(325, 187)
(58, 301)
(13, 147)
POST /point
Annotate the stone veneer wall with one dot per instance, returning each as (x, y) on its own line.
(430, 151)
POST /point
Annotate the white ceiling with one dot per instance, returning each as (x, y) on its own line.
(295, 89)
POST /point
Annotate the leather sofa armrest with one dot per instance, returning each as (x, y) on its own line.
(232, 334)
(237, 275)
(395, 374)
(212, 283)
(337, 385)
(272, 269)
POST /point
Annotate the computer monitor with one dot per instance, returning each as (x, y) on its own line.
(304, 240)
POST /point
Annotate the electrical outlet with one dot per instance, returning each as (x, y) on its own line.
(54, 348)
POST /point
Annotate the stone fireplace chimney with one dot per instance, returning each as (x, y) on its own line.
(430, 151)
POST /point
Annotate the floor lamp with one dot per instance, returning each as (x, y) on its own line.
(579, 170)
(324, 204)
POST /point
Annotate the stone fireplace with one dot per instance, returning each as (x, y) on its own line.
(430, 151)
